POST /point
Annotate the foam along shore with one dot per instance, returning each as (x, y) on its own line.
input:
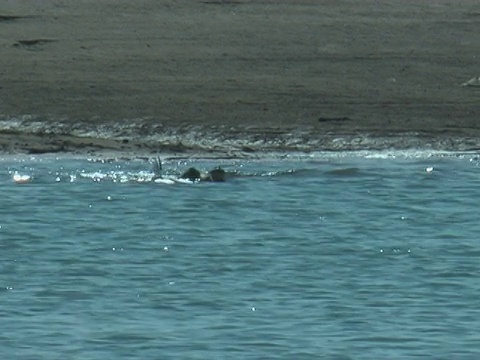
(474, 82)
(34, 137)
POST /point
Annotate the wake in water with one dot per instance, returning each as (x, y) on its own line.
(125, 173)
(175, 171)
(192, 174)
(157, 175)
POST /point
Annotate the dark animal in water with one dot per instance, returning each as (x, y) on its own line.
(218, 175)
(215, 175)
(192, 174)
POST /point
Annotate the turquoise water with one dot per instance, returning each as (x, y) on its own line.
(333, 256)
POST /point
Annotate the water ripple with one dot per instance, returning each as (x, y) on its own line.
(335, 257)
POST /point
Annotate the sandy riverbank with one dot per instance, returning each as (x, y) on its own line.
(235, 77)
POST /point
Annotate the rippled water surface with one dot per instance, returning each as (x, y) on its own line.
(347, 256)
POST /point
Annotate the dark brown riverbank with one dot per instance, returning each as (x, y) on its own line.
(220, 76)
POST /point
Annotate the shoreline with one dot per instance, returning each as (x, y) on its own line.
(141, 140)
(238, 78)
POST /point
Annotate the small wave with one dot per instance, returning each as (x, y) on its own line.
(351, 171)
(21, 178)
(390, 154)
(288, 172)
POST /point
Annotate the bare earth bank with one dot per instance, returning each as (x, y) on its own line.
(233, 78)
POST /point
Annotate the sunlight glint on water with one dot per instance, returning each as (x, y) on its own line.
(353, 256)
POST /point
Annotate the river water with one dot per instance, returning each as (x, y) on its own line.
(332, 256)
